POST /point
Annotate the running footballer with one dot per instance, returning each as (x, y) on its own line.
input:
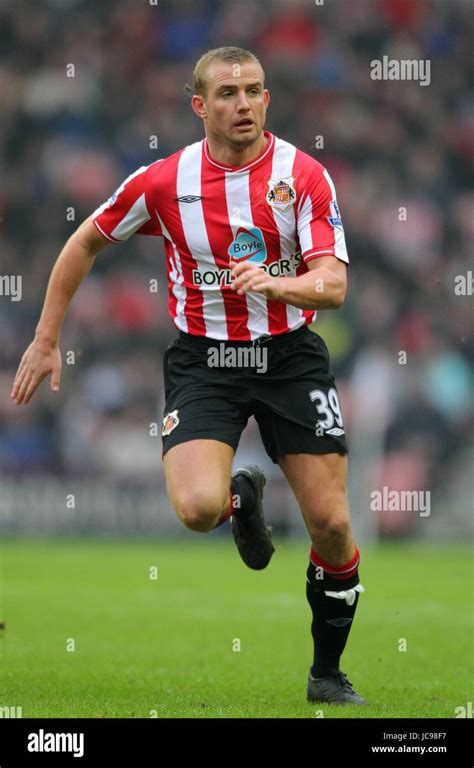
(254, 247)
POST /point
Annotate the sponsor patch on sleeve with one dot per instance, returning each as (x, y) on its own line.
(335, 217)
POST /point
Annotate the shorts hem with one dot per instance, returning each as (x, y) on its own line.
(189, 439)
(341, 450)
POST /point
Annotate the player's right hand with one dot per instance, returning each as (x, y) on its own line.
(39, 359)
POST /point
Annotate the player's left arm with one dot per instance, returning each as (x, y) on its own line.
(324, 286)
(321, 238)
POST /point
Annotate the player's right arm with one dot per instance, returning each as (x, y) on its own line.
(43, 355)
(125, 213)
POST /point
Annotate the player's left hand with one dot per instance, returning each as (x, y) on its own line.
(248, 277)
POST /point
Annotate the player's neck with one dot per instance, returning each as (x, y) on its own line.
(226, 155)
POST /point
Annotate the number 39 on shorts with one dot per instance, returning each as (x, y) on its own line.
(328, 408)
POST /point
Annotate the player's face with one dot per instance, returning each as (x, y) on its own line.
(236, 102)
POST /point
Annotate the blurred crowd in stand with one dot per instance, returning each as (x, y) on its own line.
(400, 154)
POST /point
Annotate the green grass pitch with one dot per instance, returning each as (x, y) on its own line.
(167, 646)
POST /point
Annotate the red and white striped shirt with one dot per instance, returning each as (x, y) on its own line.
(279, 211)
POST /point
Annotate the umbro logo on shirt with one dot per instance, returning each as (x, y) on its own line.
(187, 198)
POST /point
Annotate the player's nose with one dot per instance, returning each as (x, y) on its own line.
(242, 103)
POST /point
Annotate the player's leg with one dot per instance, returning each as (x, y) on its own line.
(198, 478)
(319, 482)
(204, 415)
(302, 429)
(204, 495)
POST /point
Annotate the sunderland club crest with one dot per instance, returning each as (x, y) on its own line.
(281, 192)
(170, 421)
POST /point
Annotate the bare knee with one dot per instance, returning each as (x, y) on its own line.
(333, 529)
(199, 511)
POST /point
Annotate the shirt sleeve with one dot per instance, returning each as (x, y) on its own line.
(126, 211)
(319, 223)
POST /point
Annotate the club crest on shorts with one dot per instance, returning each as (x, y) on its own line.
(170, 421)
(281, 192)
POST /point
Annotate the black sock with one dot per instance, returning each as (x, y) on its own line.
(243, 496)
(332, 619)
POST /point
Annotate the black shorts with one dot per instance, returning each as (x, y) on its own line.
(285, 382)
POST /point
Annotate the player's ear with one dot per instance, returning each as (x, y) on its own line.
(198, 105)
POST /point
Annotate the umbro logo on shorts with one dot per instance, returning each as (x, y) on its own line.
(335, 431)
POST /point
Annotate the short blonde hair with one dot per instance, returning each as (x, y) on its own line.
(226, 53)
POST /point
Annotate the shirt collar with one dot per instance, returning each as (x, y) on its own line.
(240, 168)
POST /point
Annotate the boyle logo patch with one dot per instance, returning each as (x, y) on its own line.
(281, 192)
(170, 422)
(249, 245)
